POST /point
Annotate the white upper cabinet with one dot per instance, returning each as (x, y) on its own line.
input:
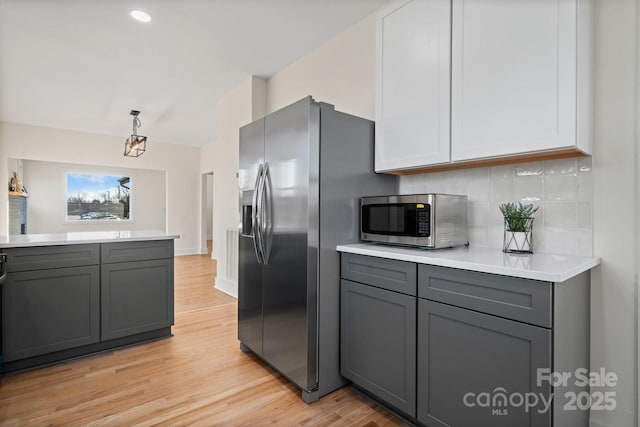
(514, 77)
(413, 84)
(464, 80)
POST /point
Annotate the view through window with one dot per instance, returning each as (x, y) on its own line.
(98, 197)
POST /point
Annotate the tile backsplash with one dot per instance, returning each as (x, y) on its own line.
(562, 189)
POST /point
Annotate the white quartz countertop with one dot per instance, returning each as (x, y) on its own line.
(26, 240)
(538, 266)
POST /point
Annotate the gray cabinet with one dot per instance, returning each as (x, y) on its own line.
(50, 300)
(49, 310)
(136, 296)
(51, 257)
(398, 276)
(136, 251)
(463, 353)
(69, 300)
(524, 300)
(378, 342)
(378, 328)
(483, 339)
(477, 339)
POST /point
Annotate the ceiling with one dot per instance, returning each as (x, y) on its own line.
(84, 64)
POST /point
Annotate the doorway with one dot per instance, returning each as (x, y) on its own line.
(207, 214)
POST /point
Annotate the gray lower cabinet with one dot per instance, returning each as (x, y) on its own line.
(476, 346)
(467, 359)
(68, 300)
(378, 342)
(378, 328)
(50, 310)
(136, 297)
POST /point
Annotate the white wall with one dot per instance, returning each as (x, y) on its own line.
(613, 284)
(236, 109)
(340, 72)
(46, 206)
(179, 163)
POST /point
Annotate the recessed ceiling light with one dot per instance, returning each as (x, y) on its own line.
(141, 16)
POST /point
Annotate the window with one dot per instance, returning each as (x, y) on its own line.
(98, 197)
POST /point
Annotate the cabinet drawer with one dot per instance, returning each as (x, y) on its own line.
(45, 257)
(398, 276)
(524, 300)
(136, 251)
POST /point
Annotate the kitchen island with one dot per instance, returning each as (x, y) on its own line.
(458, 336)
(71, 294)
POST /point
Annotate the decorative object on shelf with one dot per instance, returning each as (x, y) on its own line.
(136, 144)
(14, 183)
(518, 227)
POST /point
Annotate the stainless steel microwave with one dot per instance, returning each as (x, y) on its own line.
(430, 221)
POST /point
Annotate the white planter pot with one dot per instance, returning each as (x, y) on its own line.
(521, 241)
(518, 241)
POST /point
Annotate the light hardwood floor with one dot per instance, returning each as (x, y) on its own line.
(197, 377)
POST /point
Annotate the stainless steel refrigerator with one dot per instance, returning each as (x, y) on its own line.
(302, 171)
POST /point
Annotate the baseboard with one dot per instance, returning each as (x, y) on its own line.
(190, 251)
(227, 286)
(204, 250)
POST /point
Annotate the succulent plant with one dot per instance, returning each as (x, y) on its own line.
(516, 215)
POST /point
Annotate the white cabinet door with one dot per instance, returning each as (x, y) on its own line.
(413, 85)
(513, 77)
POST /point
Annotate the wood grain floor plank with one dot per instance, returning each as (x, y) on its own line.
(198, 377)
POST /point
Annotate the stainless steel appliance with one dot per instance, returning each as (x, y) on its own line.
(302, 171)
(431, 221)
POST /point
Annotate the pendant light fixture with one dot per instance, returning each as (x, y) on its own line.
(136, 144)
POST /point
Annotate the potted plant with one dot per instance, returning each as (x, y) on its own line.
(518, 227)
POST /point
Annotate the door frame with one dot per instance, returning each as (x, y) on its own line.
(205, 216)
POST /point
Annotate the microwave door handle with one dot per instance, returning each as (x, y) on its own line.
(267, 210)
(255, 220)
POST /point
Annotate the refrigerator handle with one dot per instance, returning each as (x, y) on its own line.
(255, 215)
(266, 233)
